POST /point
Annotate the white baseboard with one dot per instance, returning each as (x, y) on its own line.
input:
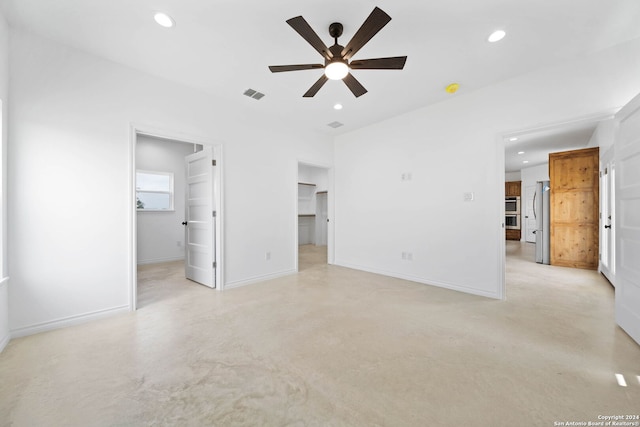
(423, 281)
(257, 279)
(68, 321)
(159, 260)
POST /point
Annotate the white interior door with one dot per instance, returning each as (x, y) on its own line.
(200, 231)
(627, 218)
(529, 217)
(607, 217)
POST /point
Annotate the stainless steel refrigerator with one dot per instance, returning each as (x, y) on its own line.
(541, 212)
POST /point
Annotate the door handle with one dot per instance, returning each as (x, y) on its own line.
(607, 226)
(184, 222)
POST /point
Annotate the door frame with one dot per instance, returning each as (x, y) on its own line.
(607, 205)
(141, 129)
(330, 209)
(502, 139)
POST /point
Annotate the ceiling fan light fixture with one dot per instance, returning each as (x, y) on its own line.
(336, 70)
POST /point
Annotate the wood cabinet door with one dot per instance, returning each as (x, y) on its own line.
(574, 208)
(512, 188)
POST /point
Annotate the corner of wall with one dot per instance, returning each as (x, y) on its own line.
(4, 90)
(5, 336)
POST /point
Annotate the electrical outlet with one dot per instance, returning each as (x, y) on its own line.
(178, 243)
(267, 256)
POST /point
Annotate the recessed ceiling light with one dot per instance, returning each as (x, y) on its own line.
(515, 138)
(164, 20)
(520, 152)
(337, 107)
(496, 36)
(525, 161)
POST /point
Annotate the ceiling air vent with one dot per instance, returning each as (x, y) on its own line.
(253, 94)
(335, 124)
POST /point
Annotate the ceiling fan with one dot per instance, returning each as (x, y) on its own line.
(337, 64)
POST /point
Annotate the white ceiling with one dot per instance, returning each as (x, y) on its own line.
(224, 46)
(534, 146)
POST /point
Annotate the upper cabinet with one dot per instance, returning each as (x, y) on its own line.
(512, 188)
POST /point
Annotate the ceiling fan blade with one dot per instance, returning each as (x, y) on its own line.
(354, 85)
(281, 68)
(316, 87)
(304, 29)
(374, 23)
(395, 63)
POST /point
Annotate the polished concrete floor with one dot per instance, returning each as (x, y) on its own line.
(332, 347)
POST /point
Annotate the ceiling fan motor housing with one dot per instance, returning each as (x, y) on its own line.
(336, 54)
(335, 30)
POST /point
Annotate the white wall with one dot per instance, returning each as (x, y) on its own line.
(534, 174)
(70, 178)
(4, 107)
(512, 176)
(603, 136)
(159, 232)
(457, 244)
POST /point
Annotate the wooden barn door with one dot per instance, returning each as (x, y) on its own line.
(574, 182)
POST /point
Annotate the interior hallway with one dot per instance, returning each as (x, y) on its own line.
(333, 346)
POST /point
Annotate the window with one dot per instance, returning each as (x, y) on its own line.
(154, 191)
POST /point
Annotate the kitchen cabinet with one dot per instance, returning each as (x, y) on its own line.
(512, 234)
(512, 188)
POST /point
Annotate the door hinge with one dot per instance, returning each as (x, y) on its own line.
(214, 264)
(214, 213)
(213, 163)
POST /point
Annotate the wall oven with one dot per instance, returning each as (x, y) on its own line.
(512, 205)
(512, 221)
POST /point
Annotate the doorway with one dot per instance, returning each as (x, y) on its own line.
(526, 154)
(163, 198)
(607, 217)
(313, 221)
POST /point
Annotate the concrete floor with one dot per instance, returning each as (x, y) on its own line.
(333, 346)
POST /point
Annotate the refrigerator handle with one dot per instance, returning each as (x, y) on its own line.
(534, 205)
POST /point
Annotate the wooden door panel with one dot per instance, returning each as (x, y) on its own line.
(574, 206)
(574, 173)
(575, 246)
(574, 217)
